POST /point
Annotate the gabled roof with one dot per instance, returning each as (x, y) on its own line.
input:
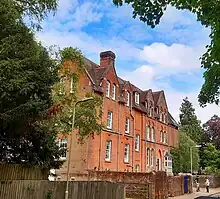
(97, 73)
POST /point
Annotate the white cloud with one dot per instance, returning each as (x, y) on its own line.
(122, 35)
(175, 60)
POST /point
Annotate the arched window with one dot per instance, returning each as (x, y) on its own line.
(161, 136)
(148, 157)
(164, 137)
(152, 158)
(153, 134)
(148, 133)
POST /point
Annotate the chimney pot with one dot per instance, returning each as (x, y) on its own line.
(107, 58)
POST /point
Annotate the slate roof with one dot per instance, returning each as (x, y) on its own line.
(97, 73)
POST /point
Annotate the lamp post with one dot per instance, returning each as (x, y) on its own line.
(70, 152)
(197, 146)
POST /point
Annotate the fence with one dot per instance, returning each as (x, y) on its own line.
(19, 172)
(27, 189)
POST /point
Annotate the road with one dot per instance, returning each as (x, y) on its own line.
(197, 194)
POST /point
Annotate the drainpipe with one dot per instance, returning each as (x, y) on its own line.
(118, 150)
(100, 144)
(133, 150)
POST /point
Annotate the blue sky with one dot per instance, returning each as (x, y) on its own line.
(166, 57)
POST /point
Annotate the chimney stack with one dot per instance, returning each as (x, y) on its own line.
(107, 58)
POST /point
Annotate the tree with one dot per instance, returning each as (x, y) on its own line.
(212, 131)
(207, 12)
(189, 122)
(35, 8)
(211, 159)
(67, 92)
(181, 156)
(27, 74)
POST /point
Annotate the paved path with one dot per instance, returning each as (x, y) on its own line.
(196, 194)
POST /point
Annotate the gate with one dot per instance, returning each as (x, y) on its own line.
(186, 184)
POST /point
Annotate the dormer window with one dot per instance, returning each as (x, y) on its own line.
(164, 118)
(146, 105)
(137, 98)
(108, 89)
(113, 91)
(127, 98)
(161, 116)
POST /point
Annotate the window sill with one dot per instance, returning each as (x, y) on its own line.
(107, 161)
(137, 151)
(125, 162)
(128, 135)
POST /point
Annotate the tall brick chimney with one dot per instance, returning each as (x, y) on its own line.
(107, 58)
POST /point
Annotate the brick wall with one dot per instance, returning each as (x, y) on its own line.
(214, 180)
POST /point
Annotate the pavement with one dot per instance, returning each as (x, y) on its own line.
(197, 194)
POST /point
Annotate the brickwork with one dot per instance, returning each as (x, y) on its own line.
(214, 180)
(91, 155)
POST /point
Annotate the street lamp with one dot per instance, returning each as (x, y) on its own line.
(197, 146)
(70, 152)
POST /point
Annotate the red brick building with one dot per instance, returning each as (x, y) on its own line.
(139, 128)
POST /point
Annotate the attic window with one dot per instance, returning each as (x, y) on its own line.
(128, 98)
(108, 89)
(146, 105)
(137, 97)
(113, 91)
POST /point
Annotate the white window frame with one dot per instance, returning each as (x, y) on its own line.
(161, 136)
(164, 137)
(128, 97)
(148, 157)
(108, 150)
(127, 125)
(164, 118)
(148, 132)
(152, 157)
(63, 145)
(108, 88)
(153, 134)
(126, 153)
(137, 142)
(137, 97)
(113, 91)
(146, 105)
(109, 119)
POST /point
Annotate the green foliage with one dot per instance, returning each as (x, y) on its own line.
(207, 12)
(189, 122)
(27, 75)
(88, 114)
(181, 156)
(35, 9)
(211, 159)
